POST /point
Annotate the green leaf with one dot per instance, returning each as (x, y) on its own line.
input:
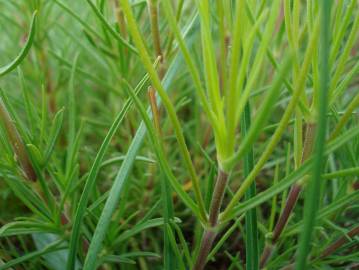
(33, 255)
(54, 135)
(115, 34)
(91, 179)
(20, 57)
(251, 239)
(325, 212)
(167, 103)
(26, 227)
(122, 175)
(128, 257)
(173, 243)
(156, 222)
(290, 179)
(57, 258)
(263, 114)
(311, 203)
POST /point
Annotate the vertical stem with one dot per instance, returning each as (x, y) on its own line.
(217, 197)
(50, 90)
(308, 141)
(171, 38)
(153, 9)
(266, 254)
(210, 234)
(154, 108)
(283, 219)
(292, 197)
(206, 244)
(120, 19)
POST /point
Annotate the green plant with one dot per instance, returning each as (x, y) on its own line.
(248, 148)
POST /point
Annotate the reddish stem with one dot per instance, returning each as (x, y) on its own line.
(283, 219)
(340, 242)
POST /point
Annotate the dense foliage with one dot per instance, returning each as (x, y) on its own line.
(179, 134)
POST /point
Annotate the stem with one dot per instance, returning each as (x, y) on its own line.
(152, 6)
(292, 197)
(154, 109)
(120, 20)
(153, 10)
(340, 242)
(308, 141)
(283, 219)
(266, 254)
(171, 38)
(206, 244)
(50, 90)
(17, 144)
(217, 197)
(332, 248)
(210, 234)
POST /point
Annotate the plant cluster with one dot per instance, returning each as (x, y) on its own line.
(162, 134)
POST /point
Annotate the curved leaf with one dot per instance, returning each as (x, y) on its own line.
(20, 57)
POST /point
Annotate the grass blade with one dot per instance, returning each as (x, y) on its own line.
(32, 255)
(312, 196)
(166, 102)
(76, 230)
(127, 164)
(20, 57)
(115, 34)
(252, 256)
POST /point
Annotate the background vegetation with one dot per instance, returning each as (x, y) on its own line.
(183, 134)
